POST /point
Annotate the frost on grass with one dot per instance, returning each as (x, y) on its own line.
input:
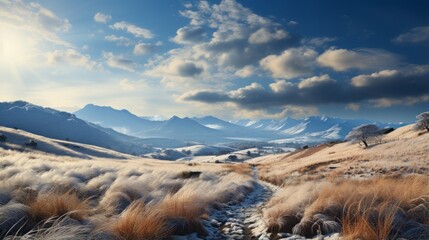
(377, 208)
(49, 197)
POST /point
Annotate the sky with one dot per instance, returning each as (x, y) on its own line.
(231, 58)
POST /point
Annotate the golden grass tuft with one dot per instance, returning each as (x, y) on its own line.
(377, 208)
(51, 205)
(140, 222)
(240, 168)
(184, 213)
(374, 221)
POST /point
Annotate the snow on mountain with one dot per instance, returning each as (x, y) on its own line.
(211, 130)
(62, 125)
(120, 120)
(185, 129)
(234, 132)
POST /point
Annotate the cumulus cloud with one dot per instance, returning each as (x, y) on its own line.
(314, 81)
(133, 29)
(120, 40)
(190, 34)
(291, 63)
(281, 86)
(264, 35)
(388, 102)
(102, 18)
(119, 62)
(363, 59)
(405, 83)
(71, 57)
(239, 39)
(34, 18)
(146, 48)
(177, 70)
(408, 82)
(247, 71)
(418, 35)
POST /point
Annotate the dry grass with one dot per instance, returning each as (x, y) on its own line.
(140, 222)
(36, 188)
(51, 205)
(402, 151)
(374, 221)
(377, 208)
(185, 212)
(240, 168)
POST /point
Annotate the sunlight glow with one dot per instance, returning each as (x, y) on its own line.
(14, 48)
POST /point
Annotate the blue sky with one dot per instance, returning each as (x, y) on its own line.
(232, 59)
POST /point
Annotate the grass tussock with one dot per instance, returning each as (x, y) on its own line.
(378, 208)
(184, 213)
(140, 222)
(240, 168)
(51, 205)
(373, 221)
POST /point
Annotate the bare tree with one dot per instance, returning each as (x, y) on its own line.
(422, 121)
(362, 133)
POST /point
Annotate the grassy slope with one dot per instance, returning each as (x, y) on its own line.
(377, 193)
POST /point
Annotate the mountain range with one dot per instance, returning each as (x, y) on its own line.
(125, 132)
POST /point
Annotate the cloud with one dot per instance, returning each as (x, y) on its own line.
(129, 85)
(71, 57)
(353, 106)
(247, 71)
(188, 69)
(418, 35)
(179, 73)
(314, 81)
(146, 48)
(388, 102)
(119, 62)
(34, 18)
(368, 80)
(264, 35)
(363, 59)
(206, 96)
(49, 20)
(410, 82)
(317, 41)
(120, 41)
(190, 34)
(291, 63)
(133, 29)
(239, 39)
(292, 23)
(102, 18)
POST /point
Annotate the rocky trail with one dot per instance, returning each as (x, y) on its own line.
(242, 220)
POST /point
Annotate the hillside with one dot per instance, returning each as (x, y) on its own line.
(306, 194)
(17, 139)
(394, 153)
(364, 193)
(65, 126)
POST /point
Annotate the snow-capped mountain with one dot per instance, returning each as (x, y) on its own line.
(231, 130)
(212, 130)
(65, 126)
(120, 120)
(184, 129)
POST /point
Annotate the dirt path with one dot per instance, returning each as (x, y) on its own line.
(242, 220)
